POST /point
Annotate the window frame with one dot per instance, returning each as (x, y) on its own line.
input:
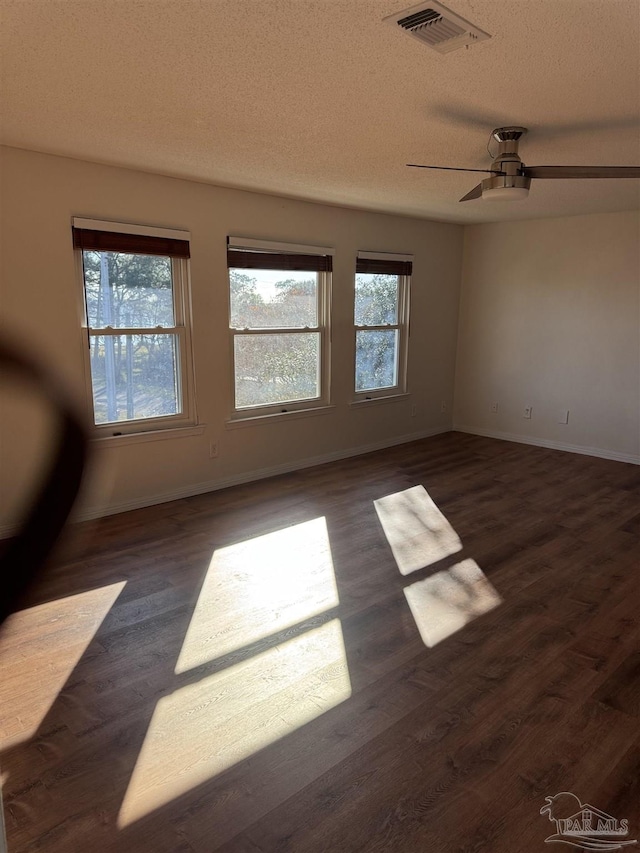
(383, 263)
(322, 328)
(181, 330)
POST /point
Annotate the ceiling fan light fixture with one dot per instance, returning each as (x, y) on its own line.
(505, 188)
(505, 193)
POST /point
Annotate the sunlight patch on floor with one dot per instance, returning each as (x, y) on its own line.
(68, 624)
(417, 532)
(445, 602)
(258, 587)
(204, 728)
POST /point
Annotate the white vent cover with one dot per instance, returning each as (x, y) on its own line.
(437, 26)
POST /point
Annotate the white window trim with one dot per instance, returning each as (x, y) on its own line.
(248, 415)
(385, 256)
(376, 401)
(278, 417)
(144, 427)
(400, 389)
(272, 246)
(127, 228)
(105, 441)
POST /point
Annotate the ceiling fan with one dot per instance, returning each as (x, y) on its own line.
(510, 178)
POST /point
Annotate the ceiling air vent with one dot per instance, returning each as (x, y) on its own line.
(437, 26)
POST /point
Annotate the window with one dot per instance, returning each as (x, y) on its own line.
(381, 319)
(136, 310)
(279, 311)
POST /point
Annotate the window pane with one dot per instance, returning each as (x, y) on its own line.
(134, 376)
(272, 299)
(128, 291)
(276, 368)
(376, 360)
(376, 299)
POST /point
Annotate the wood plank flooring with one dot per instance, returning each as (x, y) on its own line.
(248, 671)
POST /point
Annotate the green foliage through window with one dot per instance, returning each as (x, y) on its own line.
(133, 375)
(284, 366)
(376, 304)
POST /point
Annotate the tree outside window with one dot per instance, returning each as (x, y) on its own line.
(279, 321)
(381, 324)
(376, 305)
(135, 288)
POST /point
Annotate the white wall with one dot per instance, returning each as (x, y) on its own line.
(549, 317)
(40, 302)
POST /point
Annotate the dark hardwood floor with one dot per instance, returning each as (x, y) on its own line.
(250, 671)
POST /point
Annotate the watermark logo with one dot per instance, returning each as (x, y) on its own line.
(583, 826)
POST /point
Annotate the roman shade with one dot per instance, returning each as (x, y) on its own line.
(380, 264)
(135, 244)
(241, 259)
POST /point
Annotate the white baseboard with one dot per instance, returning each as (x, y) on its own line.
(552, 445)
(85, 514)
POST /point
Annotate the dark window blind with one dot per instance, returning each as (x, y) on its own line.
(383, 267)
(240, 259)
(134, 244)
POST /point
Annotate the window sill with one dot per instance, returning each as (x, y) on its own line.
(388, 398)
(152, 435)
(260, 420)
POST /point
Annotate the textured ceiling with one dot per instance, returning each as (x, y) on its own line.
(321, 100)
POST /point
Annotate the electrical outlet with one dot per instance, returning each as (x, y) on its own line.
(443, 406)
(527, 412)
(494, 408)
(563, 417)
(213, 450)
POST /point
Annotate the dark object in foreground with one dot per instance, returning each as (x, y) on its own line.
(25, 554)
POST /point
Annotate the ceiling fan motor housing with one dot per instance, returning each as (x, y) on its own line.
(511, 183)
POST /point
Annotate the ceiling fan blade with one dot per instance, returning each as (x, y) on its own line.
(581, 171)
(476, 192)
(455, 169)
